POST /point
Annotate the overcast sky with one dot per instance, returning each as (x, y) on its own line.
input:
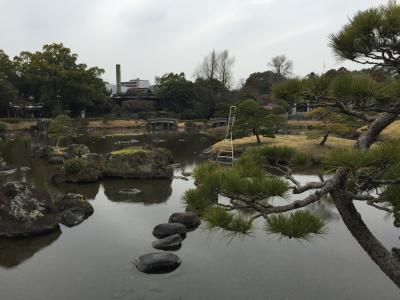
(150, 38)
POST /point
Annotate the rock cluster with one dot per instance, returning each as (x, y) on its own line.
(169, 238)
(81, 166)
(28, 211)
(6, 169)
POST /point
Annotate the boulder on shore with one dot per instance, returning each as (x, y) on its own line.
(171, 243)
(189, 219)
(27, 211)
(74, 209)
(167, 229)
(157, 263)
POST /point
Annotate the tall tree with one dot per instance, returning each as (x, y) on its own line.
(224, 69)
(175, 92)
(7, 81)
(209, 67)
(54, 77)
(281, 65)
(251, 116)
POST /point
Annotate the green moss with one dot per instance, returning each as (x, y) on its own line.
(130, 150)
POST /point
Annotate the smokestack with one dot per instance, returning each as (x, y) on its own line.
(118, 71)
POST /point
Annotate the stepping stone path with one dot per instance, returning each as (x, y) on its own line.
(169, 238)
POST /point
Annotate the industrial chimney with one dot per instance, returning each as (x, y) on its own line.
(118, 71)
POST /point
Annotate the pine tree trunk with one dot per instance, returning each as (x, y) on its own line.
(255, 132)
(385, 260)
(325, 138)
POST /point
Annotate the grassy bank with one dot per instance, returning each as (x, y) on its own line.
(392, 131)
(307, 146)
(26, 124)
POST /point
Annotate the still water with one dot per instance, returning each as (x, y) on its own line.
(94, 259)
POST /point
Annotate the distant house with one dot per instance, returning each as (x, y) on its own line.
(136, 84)
(25, 109)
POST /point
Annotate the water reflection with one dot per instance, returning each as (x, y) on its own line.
(155, 191)
(15, 251)
(102, 247)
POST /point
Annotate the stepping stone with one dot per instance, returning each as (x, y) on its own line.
(157, 263)
(163, 230)
(188, 219)
(172, 243)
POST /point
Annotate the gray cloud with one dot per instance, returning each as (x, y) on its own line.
(149, 37)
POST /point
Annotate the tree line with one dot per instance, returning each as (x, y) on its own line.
(54, 78)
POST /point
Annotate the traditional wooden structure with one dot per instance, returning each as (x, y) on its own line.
(162, 124)
(218, 122)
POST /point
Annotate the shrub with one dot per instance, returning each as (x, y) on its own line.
(3, 129)
(74, 165)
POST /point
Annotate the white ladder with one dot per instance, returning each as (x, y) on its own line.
(225, 154)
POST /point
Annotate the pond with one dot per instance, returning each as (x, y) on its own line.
(94, 259)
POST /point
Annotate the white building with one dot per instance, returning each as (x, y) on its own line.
(136, 84)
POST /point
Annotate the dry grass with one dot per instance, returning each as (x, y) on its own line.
(117, 124)
(303, 123)
(392, 132)
(21, 125)
(300, 142)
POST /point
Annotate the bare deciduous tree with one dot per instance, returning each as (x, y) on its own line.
(281, 65)
(224, 70)
(216, 65)
(208, 68)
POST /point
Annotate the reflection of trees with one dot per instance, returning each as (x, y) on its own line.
(325, 209)
(153, 191)
(15, 251)
(88, 190)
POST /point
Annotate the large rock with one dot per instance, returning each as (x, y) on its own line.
(56, 160)
(147, 163)
(75, 201)
(156, 263)
(87, 175)
(167, 229)
(171, 243)
(188, 219)
(28, 211)
(141, 163)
